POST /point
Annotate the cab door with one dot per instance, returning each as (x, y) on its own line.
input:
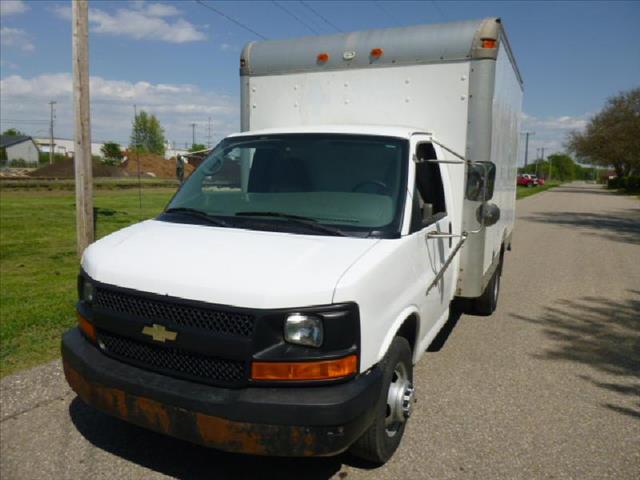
(430, 213)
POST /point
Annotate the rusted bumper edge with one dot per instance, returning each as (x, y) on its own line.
(106, 385)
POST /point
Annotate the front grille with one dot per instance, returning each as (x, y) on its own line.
(209, 319)
(172, 360)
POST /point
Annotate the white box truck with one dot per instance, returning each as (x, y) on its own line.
(278, 304)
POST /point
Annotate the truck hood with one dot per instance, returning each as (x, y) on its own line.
(244, 268)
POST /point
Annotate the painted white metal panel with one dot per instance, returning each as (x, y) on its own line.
(430, 98)
(244, 268)
(506, 113)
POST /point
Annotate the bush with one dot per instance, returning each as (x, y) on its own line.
(615, 183)
(18, 163)
(112, 162)
(43, 157)
(630, 184)
(633, 184)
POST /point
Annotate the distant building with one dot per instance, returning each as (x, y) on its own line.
(65, 146)
(20, 147)
(170, 151)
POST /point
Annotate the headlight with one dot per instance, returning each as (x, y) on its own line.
(303, 329)
(87, 291)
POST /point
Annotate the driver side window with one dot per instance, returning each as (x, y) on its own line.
(428, 199)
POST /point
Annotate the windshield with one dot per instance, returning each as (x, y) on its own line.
(350, 183)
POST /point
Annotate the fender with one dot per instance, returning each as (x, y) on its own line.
(395, 327)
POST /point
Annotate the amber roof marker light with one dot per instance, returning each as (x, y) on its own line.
(376, 53)
(322, 57)
(489, 43)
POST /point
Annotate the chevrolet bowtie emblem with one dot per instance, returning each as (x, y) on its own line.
(159, 333)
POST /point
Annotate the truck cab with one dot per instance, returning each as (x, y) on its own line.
(279, 302)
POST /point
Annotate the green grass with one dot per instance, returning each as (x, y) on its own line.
(524, 192)
(38, 264)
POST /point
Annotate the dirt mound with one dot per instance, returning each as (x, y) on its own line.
(153, 166)
(64, 169)
(150, 166)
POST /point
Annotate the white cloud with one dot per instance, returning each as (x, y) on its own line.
(16, 37)
(160, 10)
(12, 7)
(550, 133)
(143, 21)
(565, 122)
(176, 105)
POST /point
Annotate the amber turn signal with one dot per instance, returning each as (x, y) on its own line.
(321, 370)
(322, 57)
(489, 43)
(376, 52)
(88, 329)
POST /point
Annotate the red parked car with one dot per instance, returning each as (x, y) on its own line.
(526, 180)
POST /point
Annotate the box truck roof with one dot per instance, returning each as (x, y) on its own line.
(456, 41)
(384, 131)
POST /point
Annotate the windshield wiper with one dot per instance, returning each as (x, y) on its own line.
(312, 223)
(199, 214)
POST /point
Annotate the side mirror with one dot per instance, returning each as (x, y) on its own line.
(481, 179)
(488, 214)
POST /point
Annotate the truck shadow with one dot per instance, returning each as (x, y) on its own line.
(620, 226)
(603, 334)
(180, 459)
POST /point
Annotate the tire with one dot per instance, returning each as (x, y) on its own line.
(379, 442)
(486, 303)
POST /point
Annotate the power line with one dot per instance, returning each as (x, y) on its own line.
(28, 122)
(293, 15)
(439, 10)
(320, 16)
(222, 14)
(384, 10)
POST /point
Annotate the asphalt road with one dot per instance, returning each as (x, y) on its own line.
(548, 387)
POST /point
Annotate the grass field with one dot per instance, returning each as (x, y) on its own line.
(524, 192)
(38, 264)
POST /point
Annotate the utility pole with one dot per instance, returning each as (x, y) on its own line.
(193, 134)
(82, 156)
(209, 134)
(540, 158)
(51, 145)
(135, 118)
(526, 146)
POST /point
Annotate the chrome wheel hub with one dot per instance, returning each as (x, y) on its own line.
(400, 400)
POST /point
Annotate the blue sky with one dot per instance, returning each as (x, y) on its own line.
(180, 59)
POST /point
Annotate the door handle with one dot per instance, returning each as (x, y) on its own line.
(436, 234)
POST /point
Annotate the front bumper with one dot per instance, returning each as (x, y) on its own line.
(282, 421)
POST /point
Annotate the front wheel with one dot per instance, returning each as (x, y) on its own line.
(393, 408)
